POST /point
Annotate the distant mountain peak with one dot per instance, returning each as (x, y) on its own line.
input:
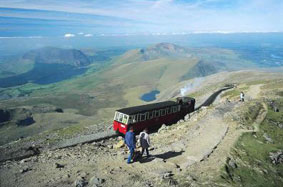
(53, 55)
(161, 50)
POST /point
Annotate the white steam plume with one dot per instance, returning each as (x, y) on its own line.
(190, 86)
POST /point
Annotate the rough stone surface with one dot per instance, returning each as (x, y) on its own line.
(80, 182)
(162, 128)
(276, 157)
(95, 181)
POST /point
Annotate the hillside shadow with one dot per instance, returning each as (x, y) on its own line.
(43, 74)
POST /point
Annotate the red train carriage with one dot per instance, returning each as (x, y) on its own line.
(152, 115)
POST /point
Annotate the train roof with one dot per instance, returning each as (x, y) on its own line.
(148, 107)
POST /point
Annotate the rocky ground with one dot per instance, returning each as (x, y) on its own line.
(192, 152)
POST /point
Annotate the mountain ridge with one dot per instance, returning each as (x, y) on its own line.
(53, 55)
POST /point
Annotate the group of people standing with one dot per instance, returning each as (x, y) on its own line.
(130, 141)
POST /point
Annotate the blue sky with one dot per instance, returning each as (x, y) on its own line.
(87, 18)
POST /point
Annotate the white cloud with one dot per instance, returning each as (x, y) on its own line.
(88, 35)
(69, 35)
(80, 33)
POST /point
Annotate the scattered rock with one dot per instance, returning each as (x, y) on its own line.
(276, 157)
(172, 182)
(187, 117)
(81, 182)
(57, 165)
(95, 181)
(267, 138)
(119, 144)
(67, 176)
(25, 160)
(33, 149)
(148, 184)
(83, 174)
(167, 175)
(232, 163)
(276, 123)
(191, 178)
(162, 128)
(58, 157)
(26, 169)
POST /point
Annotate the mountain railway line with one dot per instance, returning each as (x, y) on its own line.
(26, 152)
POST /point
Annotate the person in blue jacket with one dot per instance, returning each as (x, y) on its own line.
(130, 141)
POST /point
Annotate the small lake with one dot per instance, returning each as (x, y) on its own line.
(150, 96)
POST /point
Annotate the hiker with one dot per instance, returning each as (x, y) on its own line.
(130, 141)
(144, 141)
(242, 97)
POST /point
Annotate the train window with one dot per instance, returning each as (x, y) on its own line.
(136, 119)
(157, 113)
(120, 117)
(143, 116)
(146, 115)
(151, 115)
(179, 108)
(163, 112)
(168, 111)
(125, 118)
(130, 120)
(175, 109)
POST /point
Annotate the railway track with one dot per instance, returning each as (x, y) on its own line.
(110, 133)
(93, 137)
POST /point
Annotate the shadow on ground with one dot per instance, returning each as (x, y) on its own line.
(164, 156)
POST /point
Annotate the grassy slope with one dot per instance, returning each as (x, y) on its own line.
(251, 152)
(16, 65)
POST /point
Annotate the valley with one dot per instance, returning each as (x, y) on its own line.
(66, 95)
(93, 89)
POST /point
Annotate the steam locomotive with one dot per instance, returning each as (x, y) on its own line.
(152, 116)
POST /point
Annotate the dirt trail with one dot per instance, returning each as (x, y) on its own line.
(209, 168)
(254, 91)
(200, 143)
